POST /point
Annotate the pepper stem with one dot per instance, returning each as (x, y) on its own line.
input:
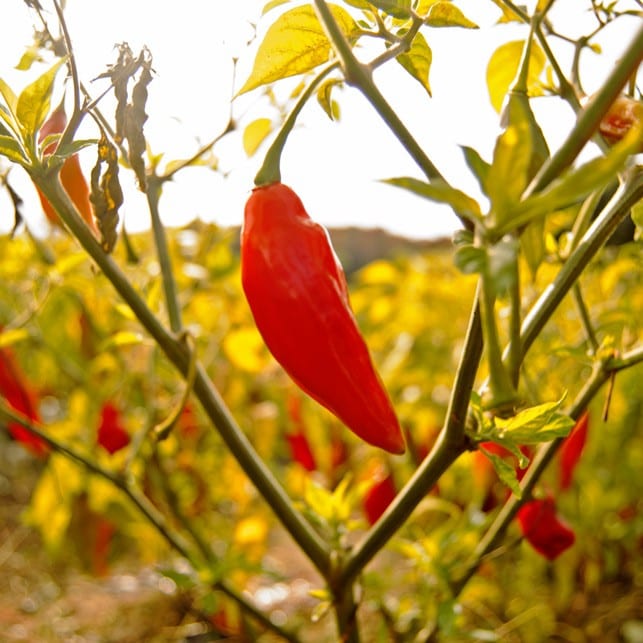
(270, 171)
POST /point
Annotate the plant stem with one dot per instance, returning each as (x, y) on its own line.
(146, 508)
(630, 192)
(153, 193)
(589, 118)
(270, 171)
(179, 354)
(585, 318)
(602, 372)
(360, 76)
(451, 443)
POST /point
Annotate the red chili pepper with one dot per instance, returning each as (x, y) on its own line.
(378, 498)
(300, 449)
(543, 529)
(572, 449)
(14, 388)
(71, 174)
(112, 436)
(298, 295)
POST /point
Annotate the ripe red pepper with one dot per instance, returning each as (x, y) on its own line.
(112, 436)
(543, 529)
(572, 449)
(14, 388)
(297, 291)
(71, 174)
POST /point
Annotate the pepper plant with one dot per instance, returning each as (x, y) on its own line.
(540, 227)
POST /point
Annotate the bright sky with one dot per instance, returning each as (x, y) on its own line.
(334, 167)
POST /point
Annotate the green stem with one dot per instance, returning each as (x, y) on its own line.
(589, 118)
(270, 171)
(602, 372)
(515, 352)
(585, 318)
(450, 445)
(145, 507)
(629, 194)
(153, 193)
(346, 615)
(179, 354)
(360, 76)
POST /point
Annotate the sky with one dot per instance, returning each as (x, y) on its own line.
(335, 167)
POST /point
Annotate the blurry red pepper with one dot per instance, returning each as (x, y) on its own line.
(572, 449)
(19, 396)
(300, 450)
(623, 114)
(378, 498)
(543, 529)
(112, 436)
(298, 295)
(71, 174)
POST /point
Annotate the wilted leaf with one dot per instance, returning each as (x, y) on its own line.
(324, 98)
(294, 44)
(417, 61)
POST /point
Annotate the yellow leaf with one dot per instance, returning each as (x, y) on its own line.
(294, 44)
(13, 336)
(245, 349)
(255, 133)
(417, 61)
(503, 66)
(251, 531)
(445, 14)
(50, 508)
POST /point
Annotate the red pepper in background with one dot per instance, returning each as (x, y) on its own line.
(300, 450)
(624, 113)
(543, 529)
(71, 174)
(112, 436)
(14, 388)
(380, 495)
(572, 449)
(297, 291)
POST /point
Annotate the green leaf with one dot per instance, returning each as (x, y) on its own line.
(503, 66)
(477, 165)
(395, 8)
(501, 264)
(505, 471)
(10, 99)
(35, 99)
(417, 61)
(532, 244)
(540, 423)
(294, 44)
(255, 133)
(446, 14)
(508, 175)
(440, 192)
(576, 184)
(471, 259)
(12, 149)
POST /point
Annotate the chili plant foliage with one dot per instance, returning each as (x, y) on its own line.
(131, 365)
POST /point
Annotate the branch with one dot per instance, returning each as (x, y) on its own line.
(450, 445)
(239, 445)
(147, 509)
(601, 373)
